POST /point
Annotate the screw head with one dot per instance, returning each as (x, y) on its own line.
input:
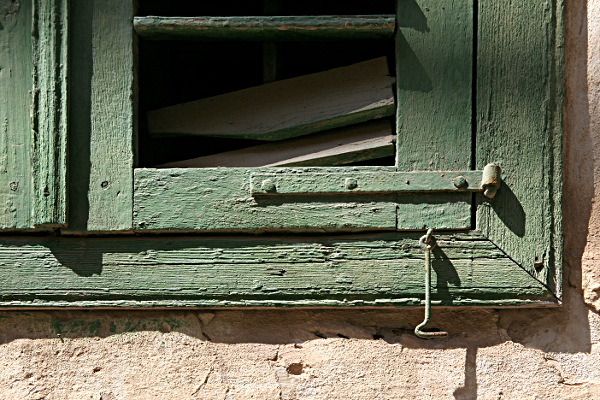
(268, 186)
(460, 181)
(351, 183)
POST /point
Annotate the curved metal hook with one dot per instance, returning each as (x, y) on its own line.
(428, 242)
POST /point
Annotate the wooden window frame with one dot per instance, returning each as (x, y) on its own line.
(513, 256)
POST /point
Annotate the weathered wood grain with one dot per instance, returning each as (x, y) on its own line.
(101, 117)
(49, 112)
(340, 146)
(286, 108)
(312, 27)
(434, 43)
(519, 118)
(221, 198)
(16, 84)
(370, 270)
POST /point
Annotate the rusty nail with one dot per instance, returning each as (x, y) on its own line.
(460, 181)
(351, 183)
(268, 186)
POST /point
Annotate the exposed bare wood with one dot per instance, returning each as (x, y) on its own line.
(336, 147)
(288, 108)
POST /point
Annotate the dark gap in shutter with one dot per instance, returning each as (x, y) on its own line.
(172, 72)
(474, 109)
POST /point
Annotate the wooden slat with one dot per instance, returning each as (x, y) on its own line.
(370, 270)
(49, 112)
(220, 198)
(102, 116)
(519, 119)
(313, 27)
(336, 147)
(16, 86)
(287, 108)
(434, 43)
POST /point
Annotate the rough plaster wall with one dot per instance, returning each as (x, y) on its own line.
(582, 157)
(347, 354)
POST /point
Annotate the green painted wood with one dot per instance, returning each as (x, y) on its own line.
(16, 84)
(348, 181)
(286, 108)
(519, 118)
(313, 27)
(101, 116)
(221, 198)
(49, 112)
(434, 42)
(368, 270)
(360, 142)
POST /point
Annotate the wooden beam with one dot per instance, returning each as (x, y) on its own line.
(16, 147)
(362, 270)
(519, 124)
(325, 27)
(102, 116)
(288, 108)
(434, 53)
(340, 146)
(187, 199)
(49, 112)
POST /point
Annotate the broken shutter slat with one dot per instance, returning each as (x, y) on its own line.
(287, 108)
(340, 146)
(321, 27)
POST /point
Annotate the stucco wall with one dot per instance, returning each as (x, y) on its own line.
(347, 354)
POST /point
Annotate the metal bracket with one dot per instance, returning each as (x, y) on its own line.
(298, 181)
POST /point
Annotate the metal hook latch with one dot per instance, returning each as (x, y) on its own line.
(428, 242)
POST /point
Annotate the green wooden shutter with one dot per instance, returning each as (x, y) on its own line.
(476, 84)
(33, 69)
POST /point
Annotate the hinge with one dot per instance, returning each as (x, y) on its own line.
(298, 181)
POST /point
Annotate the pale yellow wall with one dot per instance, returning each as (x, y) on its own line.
(508, 354)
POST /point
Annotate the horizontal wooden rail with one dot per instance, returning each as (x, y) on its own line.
(323, 27)
(352, 270)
